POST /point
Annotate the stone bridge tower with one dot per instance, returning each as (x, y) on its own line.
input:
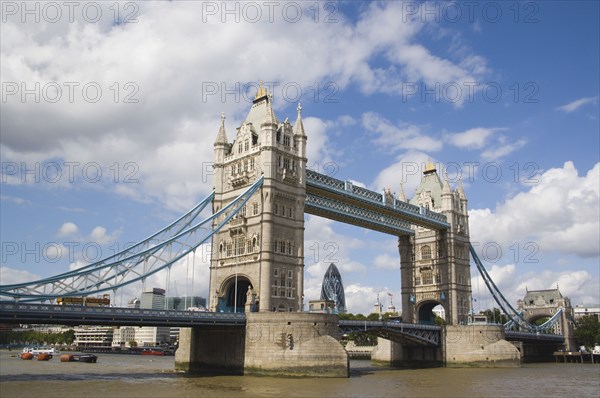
(257, 261)
(435, 266)
(538, 305)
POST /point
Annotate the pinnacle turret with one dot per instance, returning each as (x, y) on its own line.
(222, 136)
(446, 186)
(461, 190)
(299, 126)
(270, 115)
(401, 194)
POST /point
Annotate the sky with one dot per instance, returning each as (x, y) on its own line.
(109, 111)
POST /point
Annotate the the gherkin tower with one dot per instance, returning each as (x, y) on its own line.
(333, 289)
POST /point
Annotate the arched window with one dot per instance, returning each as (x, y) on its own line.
(426, 253)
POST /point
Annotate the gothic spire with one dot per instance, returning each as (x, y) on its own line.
(222, 136)
(299, 126)
(401, 195)
(446, 186)
(461, 190)
(270, 116)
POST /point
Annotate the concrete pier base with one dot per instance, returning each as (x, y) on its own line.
(286, 344)
(462, 346)
(396, 354)
(294, 344)
(480, 346)
(214, 350)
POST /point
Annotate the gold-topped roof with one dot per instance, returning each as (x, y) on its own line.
(261, 92)
(430, 167)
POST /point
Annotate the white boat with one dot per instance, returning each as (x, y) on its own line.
(40, 350)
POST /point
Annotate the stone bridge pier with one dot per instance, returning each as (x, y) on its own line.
(286, 344)
(461, 346)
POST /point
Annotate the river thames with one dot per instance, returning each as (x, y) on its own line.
(144, 376)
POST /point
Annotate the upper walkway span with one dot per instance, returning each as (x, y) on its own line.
(343, 201)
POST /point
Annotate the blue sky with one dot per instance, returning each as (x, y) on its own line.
(480, 89)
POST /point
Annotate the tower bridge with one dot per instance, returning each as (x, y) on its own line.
(262, 189)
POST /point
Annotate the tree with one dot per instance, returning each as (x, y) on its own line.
(495, 316)
(587, 331)
(361, 338)
(132, 343)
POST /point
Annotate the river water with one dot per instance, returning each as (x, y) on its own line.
(144, 376)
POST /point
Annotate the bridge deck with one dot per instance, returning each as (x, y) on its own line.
(411, 333)
(114, 316)
(529, 337)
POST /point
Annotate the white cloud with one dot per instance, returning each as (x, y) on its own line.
(319, 151)
(99, 236)
(407, 170)
(391, 137)
(385, 261)
(9, 276)
(474, 138)
(572, 106)
(68, 229)
(168, 134)
(504, 149)
(361, 299)
(14, 199)
(559, 214)
(575, 284)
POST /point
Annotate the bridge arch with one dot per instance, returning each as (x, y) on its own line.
(425, 313)
(232, 301)
(533, 318)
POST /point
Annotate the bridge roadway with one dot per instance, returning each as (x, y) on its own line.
(11, 312)
(529, 337)
(409, 333)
